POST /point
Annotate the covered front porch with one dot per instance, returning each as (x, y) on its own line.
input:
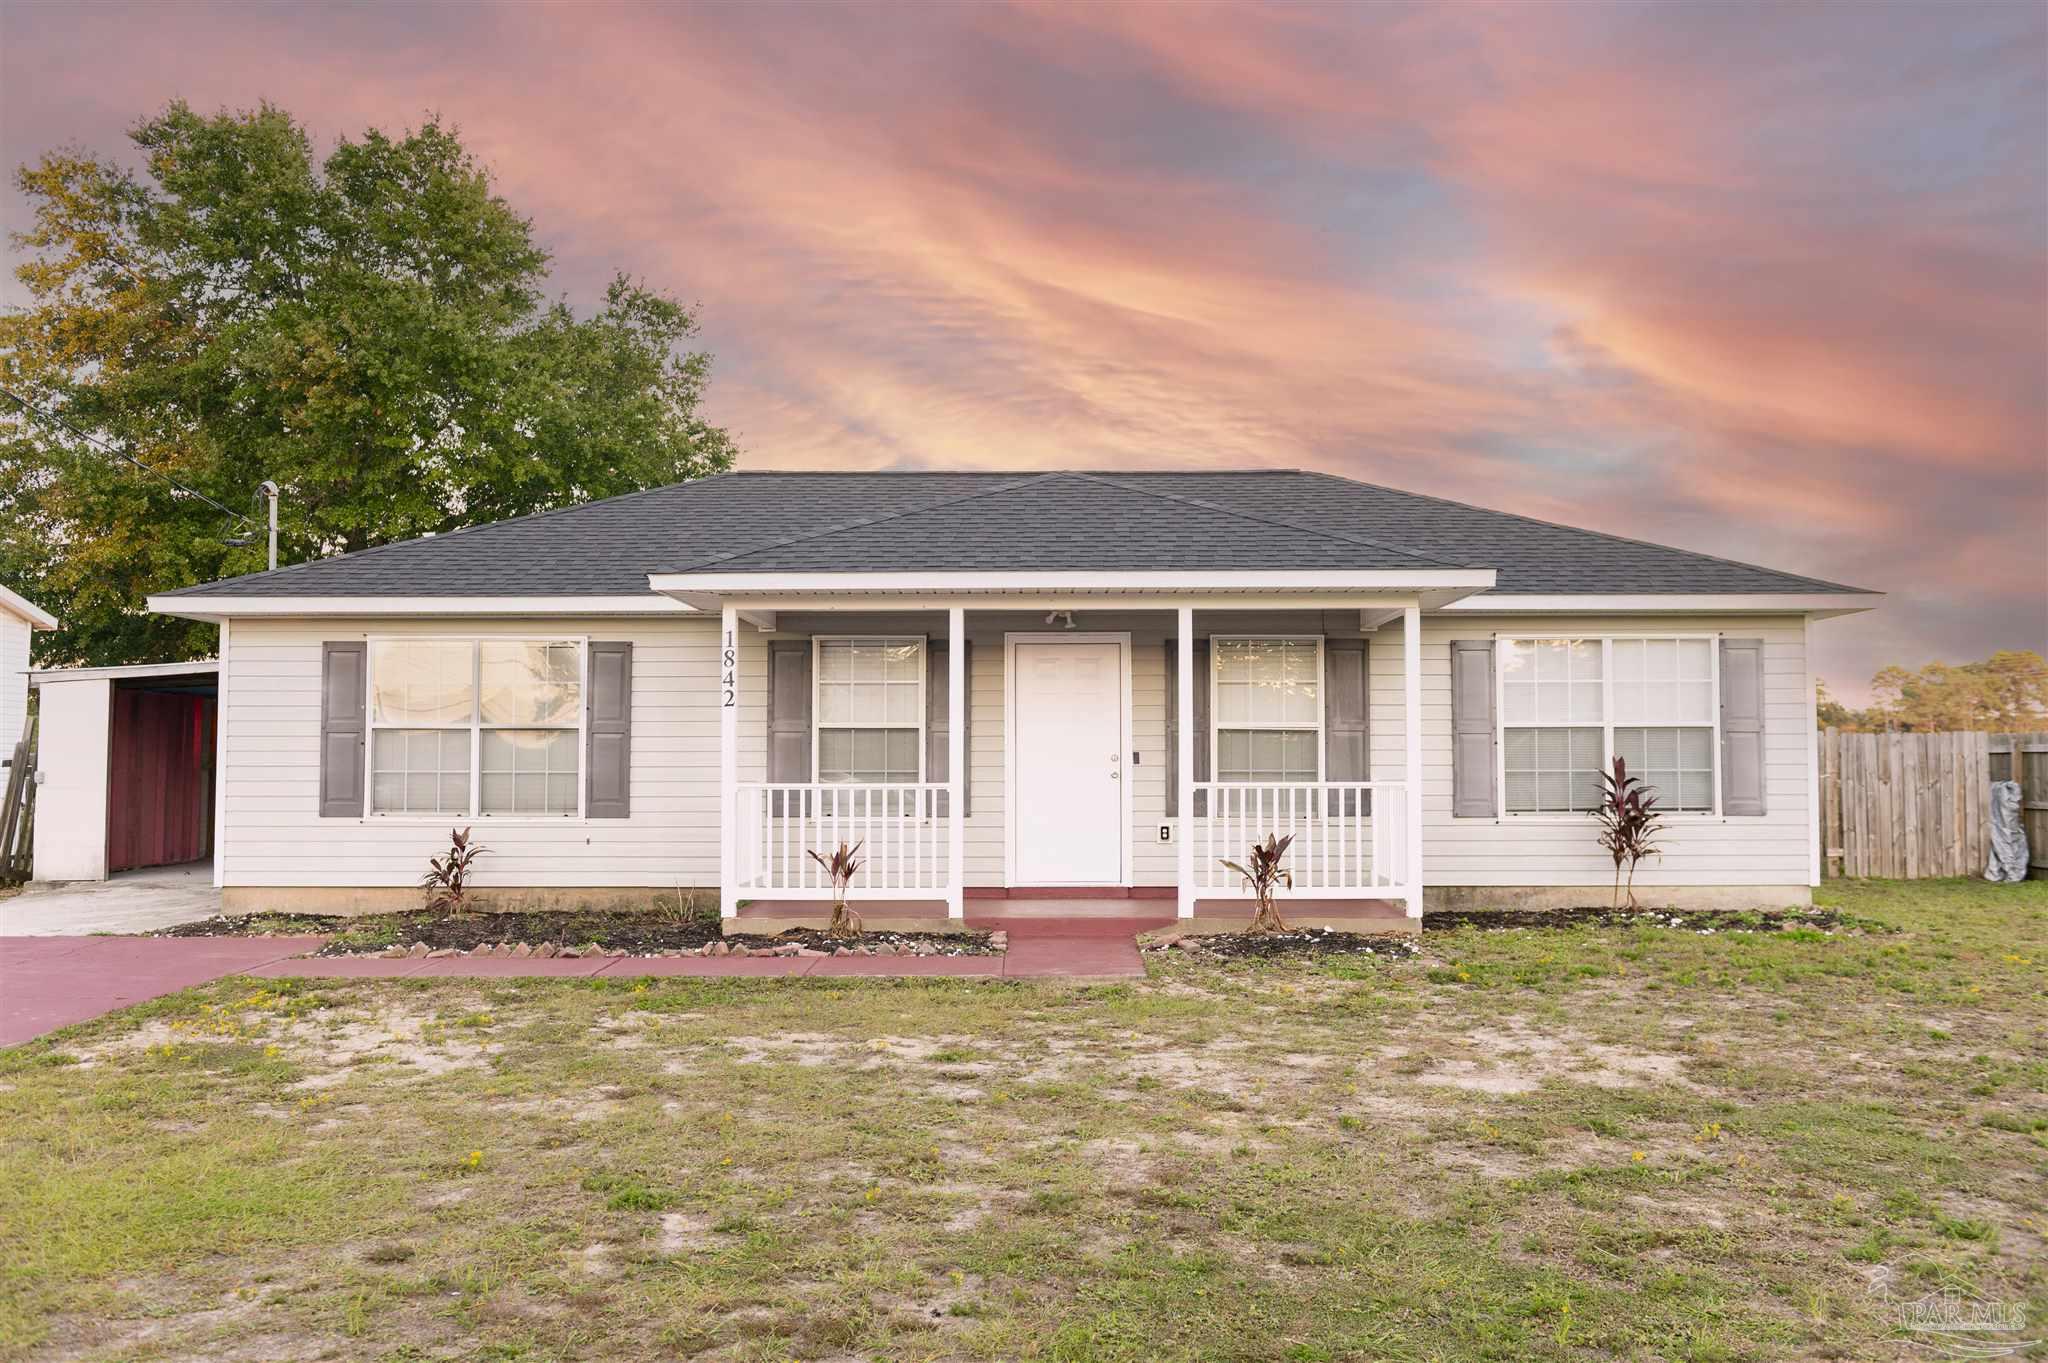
(1003, 754)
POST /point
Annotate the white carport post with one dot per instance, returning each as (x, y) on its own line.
(728, 760)
(1184, 756)
(956, 761)
(1411, 718)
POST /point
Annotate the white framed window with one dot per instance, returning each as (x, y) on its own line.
(867, 708)
(1569, 706)
(476, 727)
(1266, 709)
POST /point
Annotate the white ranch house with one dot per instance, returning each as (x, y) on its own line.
(1082, 686)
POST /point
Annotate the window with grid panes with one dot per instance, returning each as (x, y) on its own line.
(486, 727)
(1570, 706)
(869, 710)
(1266, 708)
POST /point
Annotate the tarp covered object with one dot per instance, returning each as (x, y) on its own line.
(2008, 834)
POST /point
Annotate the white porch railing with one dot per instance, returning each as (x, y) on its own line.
(903, 830)
(1350, 837)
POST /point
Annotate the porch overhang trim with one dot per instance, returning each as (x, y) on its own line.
(1403, 581)
(235, 607)
(1818, 605)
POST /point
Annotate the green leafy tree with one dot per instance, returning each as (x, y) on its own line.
(2005, 693)
(368, 329)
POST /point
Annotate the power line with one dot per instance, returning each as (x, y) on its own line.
(99, 444)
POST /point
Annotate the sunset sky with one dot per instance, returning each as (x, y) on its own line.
(1765, 281)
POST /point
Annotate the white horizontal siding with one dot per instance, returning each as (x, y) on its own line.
(1698, 850)
(274, 835)
(14, 633)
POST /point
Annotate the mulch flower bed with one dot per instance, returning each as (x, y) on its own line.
(1686, 920)
(1317, 942)
(1305, 942)
(513, 935)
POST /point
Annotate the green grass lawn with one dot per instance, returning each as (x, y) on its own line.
(1540, 1144)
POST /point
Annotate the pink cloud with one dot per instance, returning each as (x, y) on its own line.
(1772, 287)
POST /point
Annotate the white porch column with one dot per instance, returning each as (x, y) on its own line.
(956, 761)
(728, 760)
(1411, 719)
(1184, 756)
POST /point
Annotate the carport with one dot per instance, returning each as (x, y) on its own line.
(125, 768)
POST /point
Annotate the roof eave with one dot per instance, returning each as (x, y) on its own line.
(46, 676)
(16, 604)
(1434, 587)
(230, 606)
(1818, 605)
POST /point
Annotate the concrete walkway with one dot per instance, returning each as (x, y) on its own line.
(52, 982)
(132, 901)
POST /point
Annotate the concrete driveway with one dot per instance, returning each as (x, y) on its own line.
(133, 901)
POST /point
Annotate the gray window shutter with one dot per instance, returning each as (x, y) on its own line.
(789, 710)
(1742, 726)
(344, 691)
(938, 713)
(938, 720)
(1172, 763)
(938, 717)
(1347, 738)
(608, 732)
(1201, 735)
(1472, 731)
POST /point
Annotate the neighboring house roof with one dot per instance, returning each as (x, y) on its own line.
(14, 603)
(990, 522)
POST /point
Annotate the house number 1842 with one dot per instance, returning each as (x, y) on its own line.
(729, 672)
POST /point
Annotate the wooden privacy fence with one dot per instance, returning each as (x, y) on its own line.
(1918, 806)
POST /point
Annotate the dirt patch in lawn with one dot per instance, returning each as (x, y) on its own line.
(1515, 1057)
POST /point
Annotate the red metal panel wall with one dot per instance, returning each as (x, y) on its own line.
(160, 764)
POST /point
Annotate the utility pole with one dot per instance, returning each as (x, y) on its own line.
(269, 489)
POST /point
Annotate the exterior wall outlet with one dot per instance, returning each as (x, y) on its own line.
(1166, 832)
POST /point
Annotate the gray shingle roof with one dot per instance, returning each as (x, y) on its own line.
(936, 522)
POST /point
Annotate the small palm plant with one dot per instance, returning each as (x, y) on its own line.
(1629, 824)
(447, 879)
(845, 923)
(1263, 874)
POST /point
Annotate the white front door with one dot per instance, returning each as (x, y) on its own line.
(1067, 756)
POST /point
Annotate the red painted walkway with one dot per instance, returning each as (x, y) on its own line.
(52, 982)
